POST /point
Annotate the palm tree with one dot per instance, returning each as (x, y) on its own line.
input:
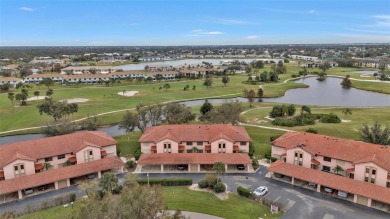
(109, 182)
(11, 97)
(304, 109)
(338, 169)
(47, 166)
(347, 111)
(219, 168)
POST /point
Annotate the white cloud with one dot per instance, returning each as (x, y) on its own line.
(26, 9)
(312, 11)
(252, 37)
(204, 32)
(382, 20)
(368, 31)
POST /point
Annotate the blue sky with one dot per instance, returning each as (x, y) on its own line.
(189, 22)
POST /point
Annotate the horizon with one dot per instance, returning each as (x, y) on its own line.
(192, 23)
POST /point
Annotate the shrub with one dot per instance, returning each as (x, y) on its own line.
(202, 184)
(211, 180)
(166, 181)
(244, 192)
(311, 130)
(137, 154)
(255, 162)
(294, 76)
(277, 111)
(72, 197)
(251, 150)
(117, 189)
(331, 118)
(219, 187)
(130, 163)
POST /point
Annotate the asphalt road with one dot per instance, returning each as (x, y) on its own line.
(298, 202)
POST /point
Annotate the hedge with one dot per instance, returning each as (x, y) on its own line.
(166, 181)
(203, 184)
(244, 192)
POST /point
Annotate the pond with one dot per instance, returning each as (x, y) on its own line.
(141, 66)
(321, 93)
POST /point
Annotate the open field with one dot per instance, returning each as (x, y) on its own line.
(187, 200)
(343, 130)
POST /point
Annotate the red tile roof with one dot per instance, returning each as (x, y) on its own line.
(194, 158)
(236, 148)
(314, 161)
(207, 147)
(103, 153)
(336, 148)
(38, 166)
(350, 170)
(54, 175)
(52, 146)
(333, 181)
(9, 79)
(205, 133)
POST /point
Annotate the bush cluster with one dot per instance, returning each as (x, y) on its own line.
(203, 184)
(244, 192)
(130, 164)
(219, 187)
(166, 181)
(296, 121)
(268, 156)
(331, 118)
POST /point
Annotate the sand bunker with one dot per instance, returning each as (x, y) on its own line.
(36, 98)
(128, 93)
(75, 100)
(345, 120)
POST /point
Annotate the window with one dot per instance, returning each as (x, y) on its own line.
(221, 148)
(370, 175)
(167, 147)
(62, 156)
(298, 158)
(47, 159)
(189, 142)
(351, 175)
(242, 143)
(328, 159)
(326, 168)
(388, 184)
(19, 170)
(199, 143)
(88, 156)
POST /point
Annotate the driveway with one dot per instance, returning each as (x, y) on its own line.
(298, 202)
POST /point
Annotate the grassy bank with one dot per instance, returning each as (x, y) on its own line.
(348, 130)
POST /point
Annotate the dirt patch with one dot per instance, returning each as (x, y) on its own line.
(128, 93)
(222, 195)
(75, 100)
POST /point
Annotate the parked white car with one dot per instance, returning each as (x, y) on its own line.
(328, 190)
(262, 190)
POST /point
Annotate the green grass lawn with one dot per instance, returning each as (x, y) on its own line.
(261, 140)
(105, 99)
(235, 207)
(348, 130)
(128, 143)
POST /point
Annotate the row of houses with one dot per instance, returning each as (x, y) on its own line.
(52, 163)
(96, 78)
(371, 63)
(305, 58)
(316, 64)
(359, 171)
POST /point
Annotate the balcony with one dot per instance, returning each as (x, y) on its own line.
(38, 167)
(103, 154)
(153, 149)
(236, 148)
